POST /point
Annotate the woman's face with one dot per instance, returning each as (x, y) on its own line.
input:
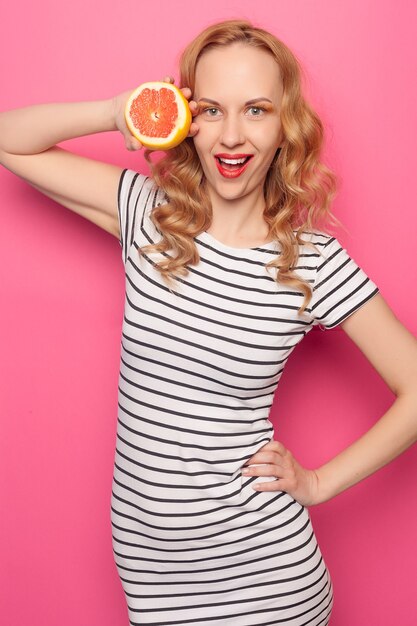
(227, 79)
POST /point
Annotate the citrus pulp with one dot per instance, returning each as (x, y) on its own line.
(158, 115)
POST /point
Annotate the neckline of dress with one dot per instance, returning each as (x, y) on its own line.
(204, 235)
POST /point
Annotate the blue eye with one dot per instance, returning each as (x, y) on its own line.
(260, 109)
(210, 109)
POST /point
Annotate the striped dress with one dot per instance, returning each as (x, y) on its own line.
(193, 542)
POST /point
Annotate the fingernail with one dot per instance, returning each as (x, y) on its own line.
(245, 470)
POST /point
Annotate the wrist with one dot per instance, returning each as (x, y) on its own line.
(110, 106)
(324, 489)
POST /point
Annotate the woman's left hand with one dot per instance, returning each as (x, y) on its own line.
(301, 483)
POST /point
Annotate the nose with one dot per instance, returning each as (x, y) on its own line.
(232, 131)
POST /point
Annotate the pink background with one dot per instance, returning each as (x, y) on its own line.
(62, 289)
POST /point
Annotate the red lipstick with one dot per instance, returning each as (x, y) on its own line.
(235, 170)
(223, 155)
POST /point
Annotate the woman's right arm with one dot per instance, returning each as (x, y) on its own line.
(86, 186)
(27, 148)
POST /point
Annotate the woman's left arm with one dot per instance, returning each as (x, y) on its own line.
(392, 350)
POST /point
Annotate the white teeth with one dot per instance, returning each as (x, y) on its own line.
(233, 161)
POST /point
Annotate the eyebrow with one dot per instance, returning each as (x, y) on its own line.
(253, 101)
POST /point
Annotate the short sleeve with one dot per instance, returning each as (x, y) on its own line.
(341, 286)
(133, 197)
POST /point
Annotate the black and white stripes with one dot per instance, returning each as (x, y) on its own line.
(193, 542)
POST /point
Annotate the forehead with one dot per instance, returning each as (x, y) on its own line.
(237, 70)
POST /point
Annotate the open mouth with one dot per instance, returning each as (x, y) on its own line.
(232, 165)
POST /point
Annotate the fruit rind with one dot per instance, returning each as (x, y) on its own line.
(181, 129)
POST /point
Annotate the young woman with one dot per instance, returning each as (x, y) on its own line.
(226, 272)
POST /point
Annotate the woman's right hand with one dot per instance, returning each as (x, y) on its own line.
(119, 105)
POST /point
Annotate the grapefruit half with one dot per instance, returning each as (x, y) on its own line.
(158, 115)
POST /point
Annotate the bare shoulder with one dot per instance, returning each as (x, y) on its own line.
(386, 342)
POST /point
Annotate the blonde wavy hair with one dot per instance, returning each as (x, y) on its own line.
(298, 188)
